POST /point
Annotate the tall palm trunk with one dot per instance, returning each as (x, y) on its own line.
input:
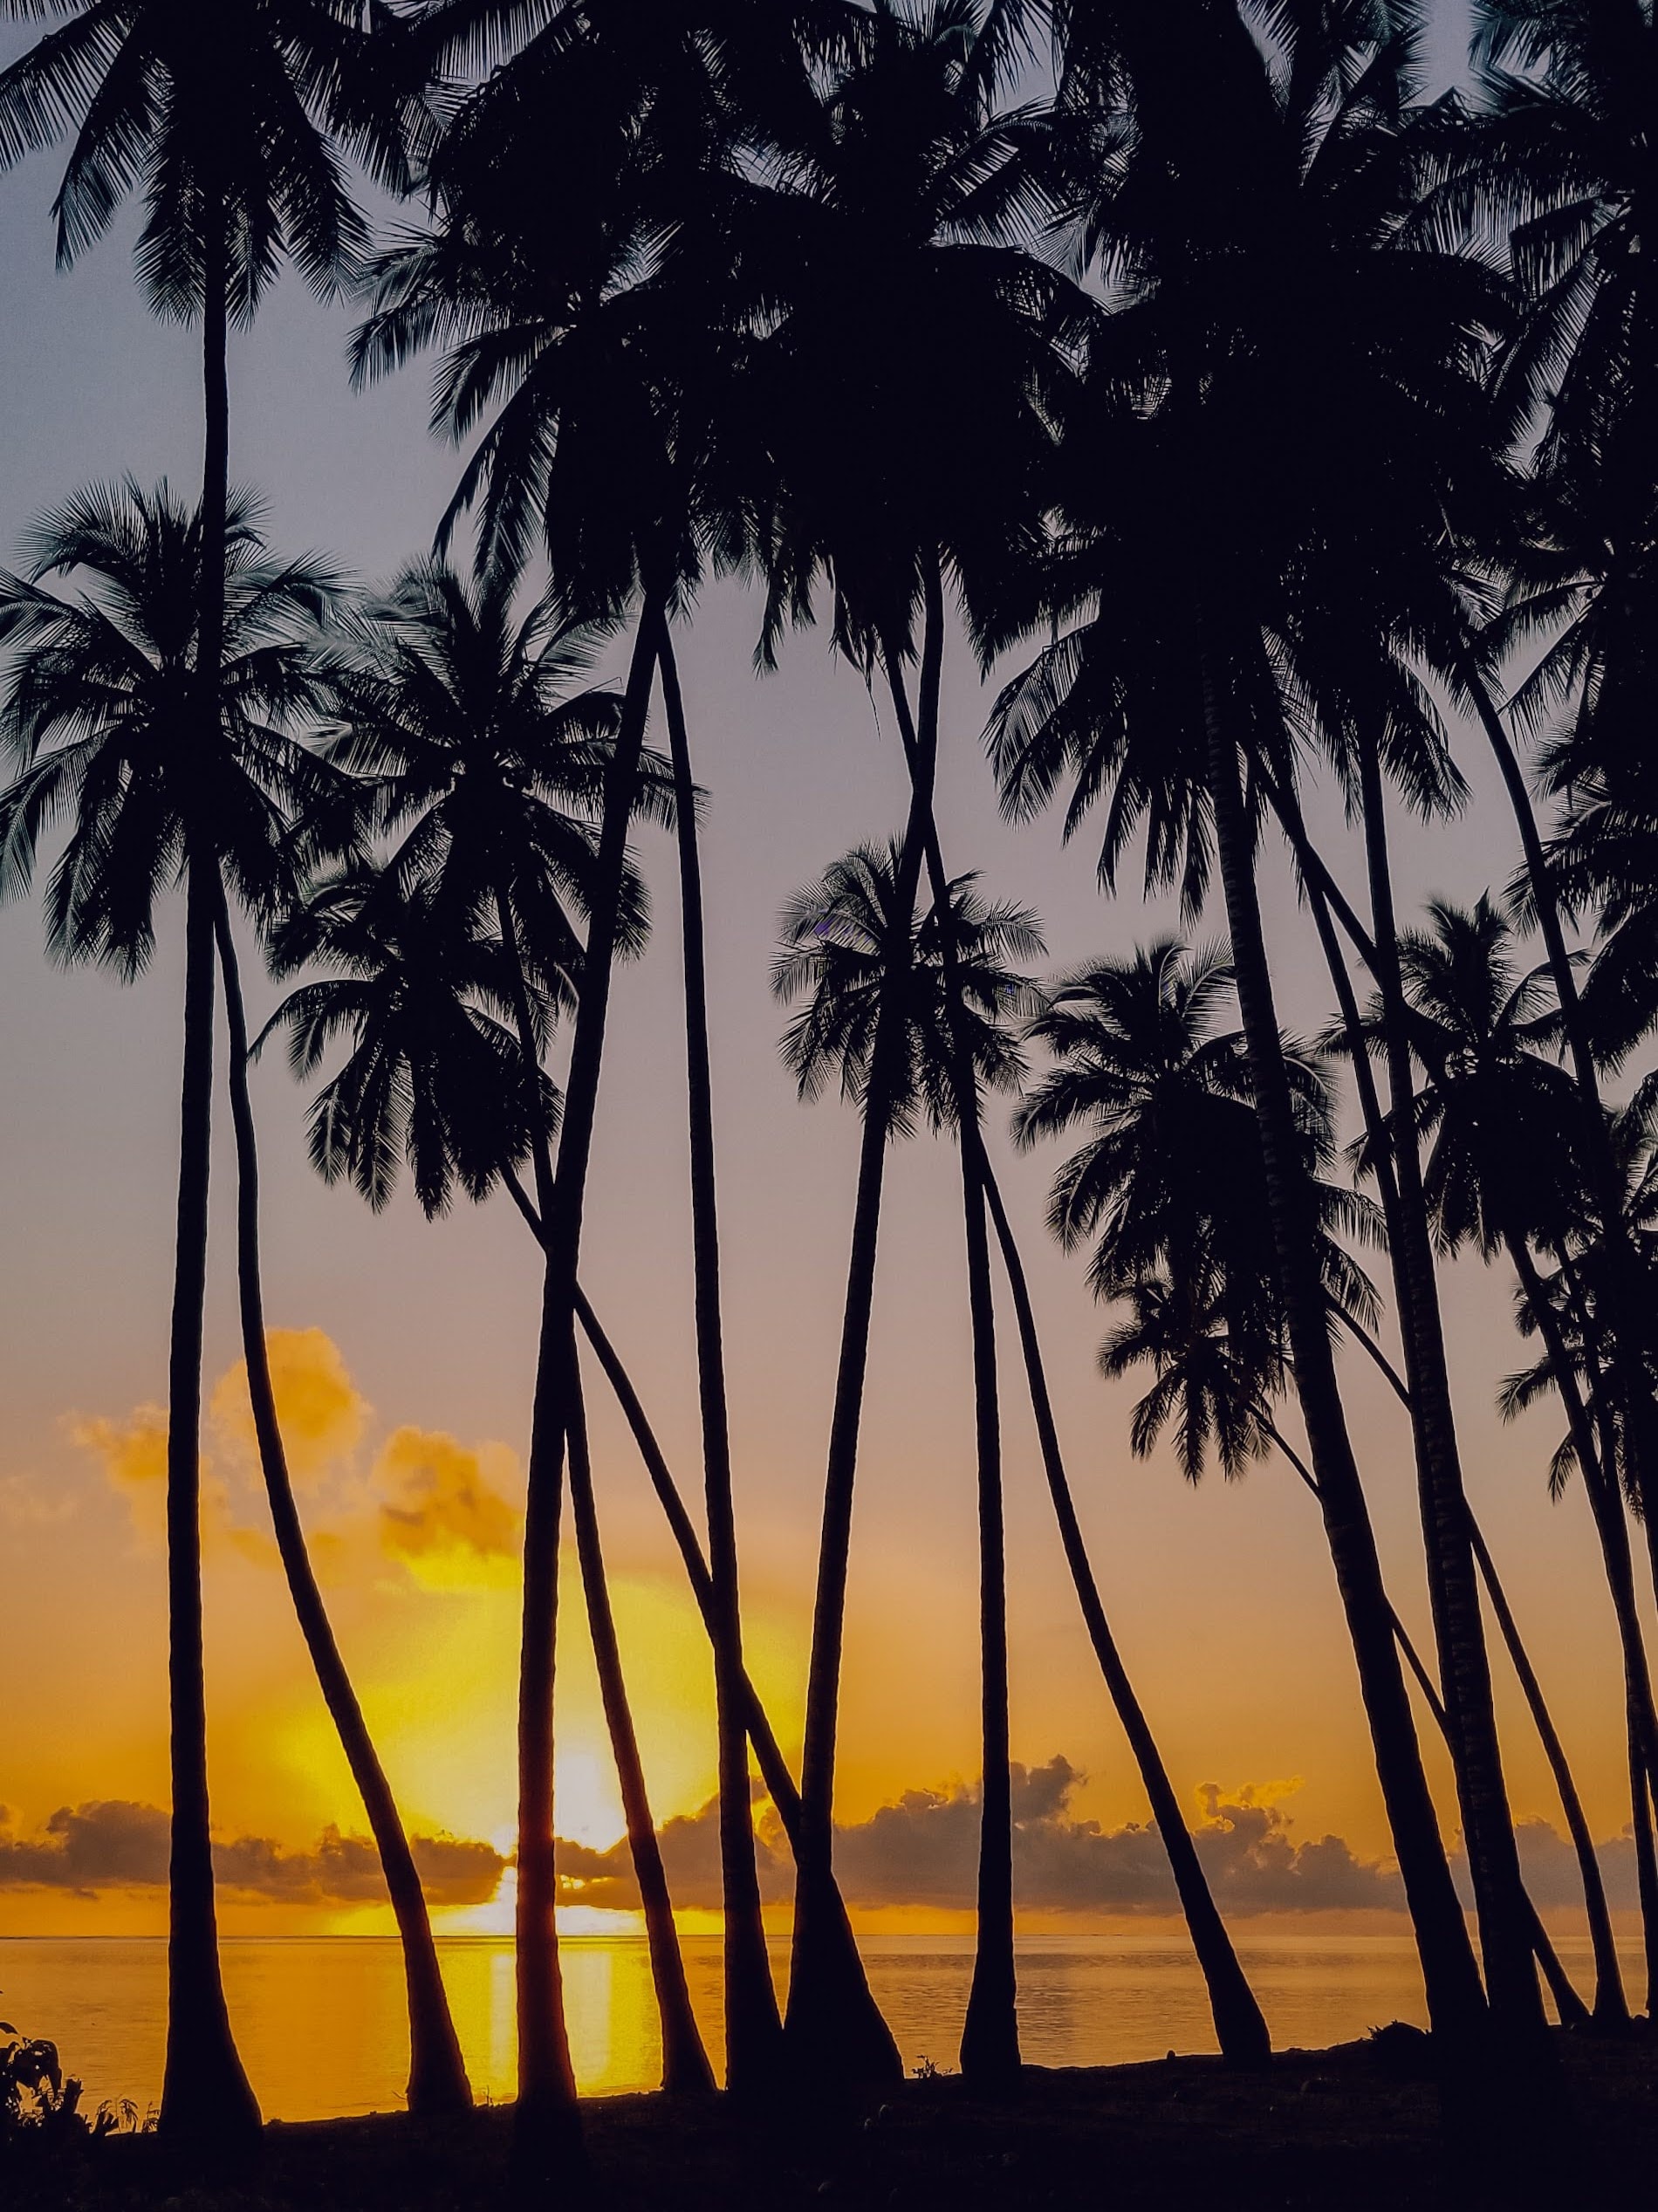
(1239, 2027)
(834, 2029)
(753, 2026)
(1627, 1295)
(768, 1753)
(685, 2071)
(437, 2082)
(1456, 2001)
(1324, 895)
(990, 2056)
(1611, 2006)
(1488, 1827)
(1572, 2010)
(206, 2097)
(547, 2135)
(1613, 1531)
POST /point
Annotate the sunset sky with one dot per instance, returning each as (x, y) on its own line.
(405, 1351)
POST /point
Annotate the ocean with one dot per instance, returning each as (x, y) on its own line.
(322, 2028)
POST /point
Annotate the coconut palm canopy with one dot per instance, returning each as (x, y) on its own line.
(1106, 553)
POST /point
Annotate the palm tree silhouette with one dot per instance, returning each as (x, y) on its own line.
(1172, 699)
(436, 1075)
(588, 345)
(486, 767)
(905, 205)
(230, 120)
(918, 1016)
(99, 716)
(840, 937)
(1506, 1172)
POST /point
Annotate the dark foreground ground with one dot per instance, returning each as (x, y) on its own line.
(1345, 2130)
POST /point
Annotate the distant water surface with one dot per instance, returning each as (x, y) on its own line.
(322, 2028)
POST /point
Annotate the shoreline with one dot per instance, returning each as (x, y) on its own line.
(1355, 2126)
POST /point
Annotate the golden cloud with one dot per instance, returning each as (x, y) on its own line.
(322, 1413)
(442, 1514)
(132, 1453)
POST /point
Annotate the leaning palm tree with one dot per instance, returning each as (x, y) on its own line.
(906, 204)
(433, 1076)
(890, 1007)
(437, 2081)
(99, 716)
(1506, 1172)
(232, 120)
(1169, 691)
(839, 941)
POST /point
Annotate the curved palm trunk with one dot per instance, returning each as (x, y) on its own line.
(1611, 2006)
(547, 2133)
(1613, 1531)
(768, 1753)
(1630, 1297)
(990, 2056)
(1239, 2027)
(1465, 1675)
(1572, 2010)
(753, 2026)
(685, 2071)
(834, 2029)
(206, 2098)
(1457, 2003)
(991, 2036)
(437, 2082)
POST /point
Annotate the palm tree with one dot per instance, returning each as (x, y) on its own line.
(905, 204)
(840, 937)
(1251, 318)
(1505, 1171)
(487, 768)
(99, 716)
(436, 1075)
(437, 2082)
(579, 340)
(231, 120)
(954, 986)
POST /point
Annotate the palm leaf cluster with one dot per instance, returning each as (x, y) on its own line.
(1275, 432)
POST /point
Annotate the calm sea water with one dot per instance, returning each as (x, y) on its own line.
(321, 2025)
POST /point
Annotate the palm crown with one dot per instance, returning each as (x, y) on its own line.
(230, 118)
(482, 755)
(838, 937)
(97, 716)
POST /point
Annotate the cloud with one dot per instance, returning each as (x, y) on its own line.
(442, 1513)
(132, 1453)
(26, 1503)
(923, 1850)
(321, 1412)
(114, 1844)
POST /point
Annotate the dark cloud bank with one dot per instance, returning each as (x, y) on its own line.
(922, 1851)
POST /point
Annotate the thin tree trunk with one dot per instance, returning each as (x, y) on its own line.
(1605, 1504)
(1632, 1318)
(753, 2026)
(437, 2082)
(990, 2056)
(206, 2098)
(1572, 2010)
(834, 2029)
(769, 1757)
(1611, 2006)
(547, 2133)
(1457, 2003)
(685, 2071)
(1239, 2027)
(1488, 1827)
